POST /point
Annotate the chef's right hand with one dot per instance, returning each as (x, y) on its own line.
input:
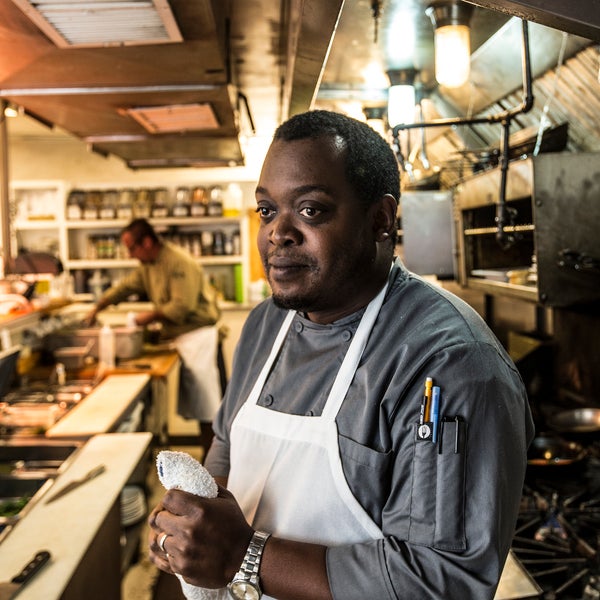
(202, 539)
(90, 318)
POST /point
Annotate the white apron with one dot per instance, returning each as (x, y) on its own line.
(286, 471)
(200, 385)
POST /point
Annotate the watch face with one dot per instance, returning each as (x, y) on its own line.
(243, 590)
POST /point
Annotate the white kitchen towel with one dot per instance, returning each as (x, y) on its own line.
(200, 385)
(179, 470)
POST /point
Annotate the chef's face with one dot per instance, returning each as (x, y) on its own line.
(316, 240)
(137, 247)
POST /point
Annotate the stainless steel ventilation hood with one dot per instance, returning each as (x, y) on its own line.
(234, 68)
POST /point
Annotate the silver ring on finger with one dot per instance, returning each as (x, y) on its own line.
(161, 542)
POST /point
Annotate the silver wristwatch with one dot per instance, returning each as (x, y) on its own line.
(245, 584)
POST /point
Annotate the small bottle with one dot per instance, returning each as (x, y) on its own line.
(215, 204)
(130, 322)
(108, 207)
(125, 204)
(181, 207)
(233, 200)
(92, 204)
(75, 205)
(142, 204)
(199, 206)
(218, 245)
(107, 347)
(160, 206)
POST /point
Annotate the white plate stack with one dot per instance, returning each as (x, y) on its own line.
(133, 505)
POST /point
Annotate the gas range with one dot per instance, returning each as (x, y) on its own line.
(32, 410)
(557, 536)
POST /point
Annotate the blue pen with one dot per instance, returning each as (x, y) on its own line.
(435, 411)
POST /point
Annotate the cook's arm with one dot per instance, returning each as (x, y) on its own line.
(207, 540)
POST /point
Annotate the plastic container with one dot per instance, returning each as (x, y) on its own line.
(107, 347)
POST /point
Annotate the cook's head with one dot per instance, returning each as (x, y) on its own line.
(327, 198)
(141, 240)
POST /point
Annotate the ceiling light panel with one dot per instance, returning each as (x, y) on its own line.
(88, 23)
(176, 117)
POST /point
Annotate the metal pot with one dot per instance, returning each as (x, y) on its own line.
(578, 420)
(549, 450)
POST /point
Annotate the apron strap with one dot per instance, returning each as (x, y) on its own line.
(345, 375)
(262, 377)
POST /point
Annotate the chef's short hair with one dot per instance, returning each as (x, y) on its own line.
(140, 229)
(371, 165)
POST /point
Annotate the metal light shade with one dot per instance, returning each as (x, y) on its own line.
(452, 41)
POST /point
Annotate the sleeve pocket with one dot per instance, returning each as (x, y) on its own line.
(438, 489)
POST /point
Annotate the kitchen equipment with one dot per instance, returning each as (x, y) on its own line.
(557, 535)
(8, 368)
(549, 450)
(577, 420)
(93, 473)
(73, 357)
(9, 589)
(128, 340)
(516, 583)
(30, 414)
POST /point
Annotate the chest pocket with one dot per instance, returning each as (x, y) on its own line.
(437, 511)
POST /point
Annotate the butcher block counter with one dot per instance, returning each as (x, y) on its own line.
(103, 409)
(81, 530)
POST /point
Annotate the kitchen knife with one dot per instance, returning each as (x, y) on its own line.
(9, 589)
(76, 483)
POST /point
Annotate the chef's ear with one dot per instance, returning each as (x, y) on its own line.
(384, 217)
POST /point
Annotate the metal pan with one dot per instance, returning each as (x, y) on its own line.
(553, 451)
(578, 420)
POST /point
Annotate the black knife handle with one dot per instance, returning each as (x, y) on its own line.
(32, 567)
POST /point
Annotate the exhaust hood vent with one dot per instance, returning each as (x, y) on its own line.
(99, 23)
(174, 118)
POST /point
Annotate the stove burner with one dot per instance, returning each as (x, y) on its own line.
(557, 538)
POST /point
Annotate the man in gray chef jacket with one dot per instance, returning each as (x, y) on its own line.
(372, 440)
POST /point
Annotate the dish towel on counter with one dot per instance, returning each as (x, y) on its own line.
(179, 470)
(200, 385)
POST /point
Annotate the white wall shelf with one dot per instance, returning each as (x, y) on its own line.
(39, 223)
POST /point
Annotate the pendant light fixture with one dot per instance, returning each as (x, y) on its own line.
(401, 96)
(452, 42)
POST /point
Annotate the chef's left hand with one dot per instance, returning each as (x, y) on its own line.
(206, 538)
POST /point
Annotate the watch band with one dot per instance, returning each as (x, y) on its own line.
(251, 563)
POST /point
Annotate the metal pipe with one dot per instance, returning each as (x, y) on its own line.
(5, 255)
(525, 106)
(504, 117)
(502, 214)
(118, 89)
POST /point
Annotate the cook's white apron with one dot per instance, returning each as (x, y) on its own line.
(200, 385)
(286, 471)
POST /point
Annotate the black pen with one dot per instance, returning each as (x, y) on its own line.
(456, 434)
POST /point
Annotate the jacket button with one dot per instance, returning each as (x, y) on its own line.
(268, 400)
(346, 335)
(298, 327)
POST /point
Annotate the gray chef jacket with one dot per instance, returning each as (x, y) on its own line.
(447, 510)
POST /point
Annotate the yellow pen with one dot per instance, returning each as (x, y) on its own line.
(428, 386)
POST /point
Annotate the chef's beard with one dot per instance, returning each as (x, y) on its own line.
(297, 302)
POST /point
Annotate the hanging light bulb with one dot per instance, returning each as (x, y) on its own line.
(11, 111)
(452, 41)
(401, 97)
(375, 116)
